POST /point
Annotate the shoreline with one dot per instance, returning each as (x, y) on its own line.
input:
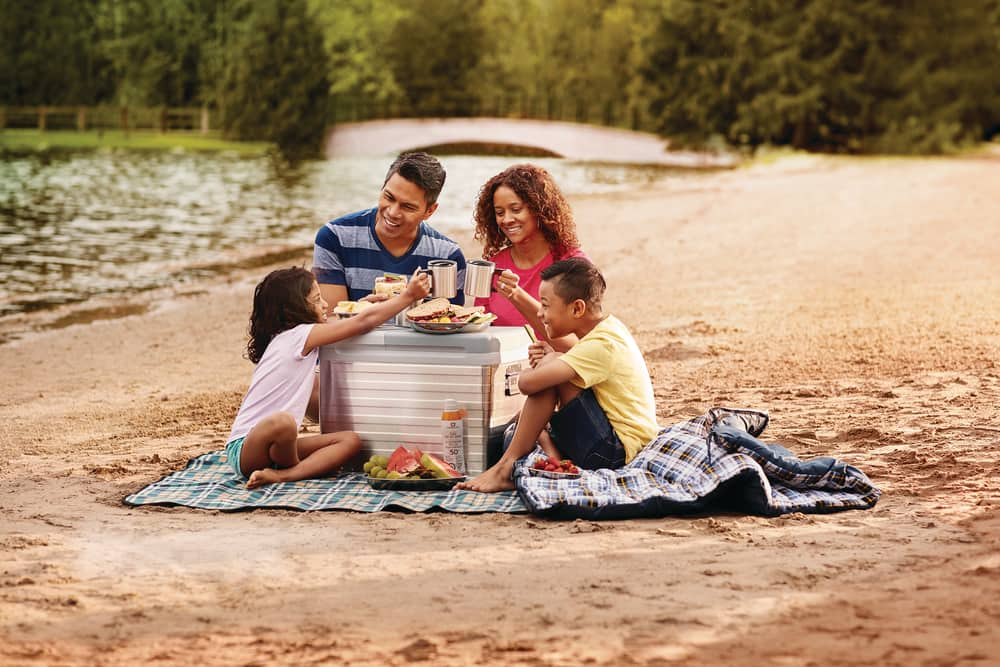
(32, 141)
(856, 301)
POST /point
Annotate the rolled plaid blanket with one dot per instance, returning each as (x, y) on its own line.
(712, 461)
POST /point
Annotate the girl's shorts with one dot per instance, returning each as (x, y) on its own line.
(233, 450)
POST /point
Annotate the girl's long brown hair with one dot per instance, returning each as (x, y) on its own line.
(280, 302)
(536, 187)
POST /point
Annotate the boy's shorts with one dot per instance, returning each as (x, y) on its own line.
(582, 433)
(233, 450)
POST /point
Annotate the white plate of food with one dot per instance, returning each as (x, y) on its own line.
(345, 309)
(552, 468)
(439, 316)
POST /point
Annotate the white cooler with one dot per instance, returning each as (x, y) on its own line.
(390, 386)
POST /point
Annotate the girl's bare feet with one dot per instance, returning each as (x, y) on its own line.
(495, 479)
(262, 477)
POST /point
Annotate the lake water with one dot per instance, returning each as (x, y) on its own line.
(78, 225)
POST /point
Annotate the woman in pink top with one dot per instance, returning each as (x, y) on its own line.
(525, 224)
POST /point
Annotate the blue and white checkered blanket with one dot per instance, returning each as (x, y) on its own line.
(712, 461)
(208, 483)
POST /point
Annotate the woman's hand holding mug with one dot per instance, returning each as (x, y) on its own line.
(507, 283)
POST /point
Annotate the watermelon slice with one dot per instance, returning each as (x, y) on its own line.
(402, 461)
(438, 466)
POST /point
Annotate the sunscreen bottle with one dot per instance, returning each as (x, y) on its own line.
(453, 435)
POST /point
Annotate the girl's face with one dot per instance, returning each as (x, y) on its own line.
(317, 303)
(517, 222)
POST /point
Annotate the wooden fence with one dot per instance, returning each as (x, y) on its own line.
(162, 119)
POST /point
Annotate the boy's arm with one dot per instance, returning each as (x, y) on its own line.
(550, 372)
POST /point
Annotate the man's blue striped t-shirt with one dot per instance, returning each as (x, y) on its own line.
(348, 252)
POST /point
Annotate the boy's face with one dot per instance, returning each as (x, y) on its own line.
(318, 303)
(559, 317)
(402, 206)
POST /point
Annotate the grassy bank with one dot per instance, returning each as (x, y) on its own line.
(33, 140)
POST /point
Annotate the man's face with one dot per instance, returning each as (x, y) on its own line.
(557, 315)
(402, 206)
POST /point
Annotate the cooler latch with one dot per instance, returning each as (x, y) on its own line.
(510, 376)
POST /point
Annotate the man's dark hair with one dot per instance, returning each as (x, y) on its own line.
(422, 170)
(576, 278)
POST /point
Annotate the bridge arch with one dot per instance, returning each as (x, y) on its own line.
(574, 141)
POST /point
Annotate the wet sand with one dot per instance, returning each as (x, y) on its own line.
(858, 301)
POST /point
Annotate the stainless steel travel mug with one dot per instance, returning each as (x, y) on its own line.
(444, 278)
(479, 277)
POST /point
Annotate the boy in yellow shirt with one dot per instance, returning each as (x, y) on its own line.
(601, 386)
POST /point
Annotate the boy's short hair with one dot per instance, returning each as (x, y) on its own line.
(421, 169)
(576, 278)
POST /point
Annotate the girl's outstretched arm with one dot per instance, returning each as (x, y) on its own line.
(369, 318)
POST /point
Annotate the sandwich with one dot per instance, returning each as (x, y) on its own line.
(464, 313)
(441, 311)
(390, 284)
(349, 308)
(430, 310)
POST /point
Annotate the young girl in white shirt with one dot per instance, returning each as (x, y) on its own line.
(287, 327)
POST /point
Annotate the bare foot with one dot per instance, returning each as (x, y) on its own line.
(493, 480)
(262, 477)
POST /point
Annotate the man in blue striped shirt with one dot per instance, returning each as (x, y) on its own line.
(394, 237)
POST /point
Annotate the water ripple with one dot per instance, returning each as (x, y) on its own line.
(79, 224)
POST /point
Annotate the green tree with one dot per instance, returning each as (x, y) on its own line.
(566, 59)
(514, 71)
(273, 84)
(362, 84)
(47, 54)
(901, 76)
(432, 51)
(154, 49)
(947, 83)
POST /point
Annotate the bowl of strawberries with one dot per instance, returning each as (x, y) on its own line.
(553, 468)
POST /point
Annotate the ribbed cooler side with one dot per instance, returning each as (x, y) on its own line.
(392, 404)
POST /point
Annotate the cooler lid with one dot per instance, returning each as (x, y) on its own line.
(389, 343)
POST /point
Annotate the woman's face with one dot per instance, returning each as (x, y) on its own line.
(515, 219)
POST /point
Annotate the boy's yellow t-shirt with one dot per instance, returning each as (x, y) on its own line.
(610, 363)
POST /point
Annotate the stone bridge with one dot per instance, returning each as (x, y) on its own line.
(574, 141)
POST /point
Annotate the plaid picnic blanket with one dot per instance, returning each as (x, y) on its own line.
(207, 482)
(712, 461)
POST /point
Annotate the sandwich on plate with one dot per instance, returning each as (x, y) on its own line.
(349, 308)
(429, 311)
(390, 284)
(442, 311)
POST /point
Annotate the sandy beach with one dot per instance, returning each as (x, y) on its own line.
(858, 301)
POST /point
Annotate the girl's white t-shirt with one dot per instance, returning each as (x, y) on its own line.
(282, 381)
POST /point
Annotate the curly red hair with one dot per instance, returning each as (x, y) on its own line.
(536, 187)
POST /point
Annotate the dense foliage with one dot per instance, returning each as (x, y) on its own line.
(893, 75)
(272, 80)
(831, 75)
